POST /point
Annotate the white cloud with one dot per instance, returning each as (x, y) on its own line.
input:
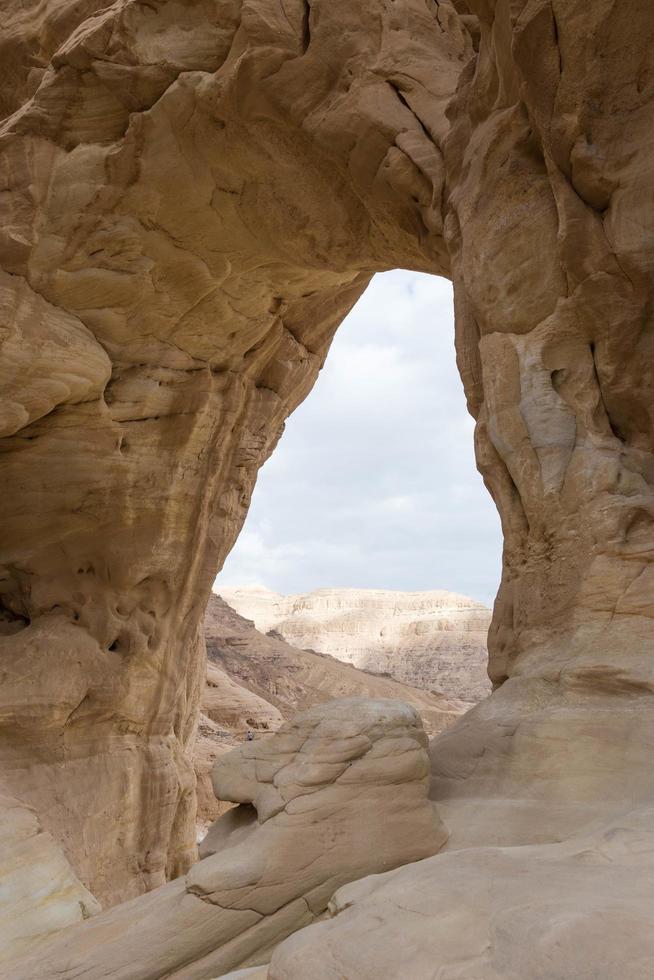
(399, 504)
(373, 483)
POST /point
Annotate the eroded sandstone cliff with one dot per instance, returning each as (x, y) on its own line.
(433, 640)
(293, 679)
(193, 195)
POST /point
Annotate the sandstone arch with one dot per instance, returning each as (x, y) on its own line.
(187, 216)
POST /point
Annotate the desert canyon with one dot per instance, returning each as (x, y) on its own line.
(194, 193)
(431, 640)
(255, 682)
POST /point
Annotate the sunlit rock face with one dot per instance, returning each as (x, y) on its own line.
(193, 196)
(188, 214)
(434, 640)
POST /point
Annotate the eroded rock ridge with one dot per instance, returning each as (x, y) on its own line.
(339, 793)
(255, 681)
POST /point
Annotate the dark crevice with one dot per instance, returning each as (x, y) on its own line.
(434, 7)
(557, 377)
(9, 615)
(264, 387)
(615, 428)
(406, 105)
(306, 27)
(555, 28)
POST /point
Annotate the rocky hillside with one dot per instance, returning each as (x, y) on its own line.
(255, 681)
(431, 640)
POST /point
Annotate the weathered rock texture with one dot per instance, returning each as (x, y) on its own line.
(192, 198)
(228, 711)
(254, 681)
(39, 894)
(433, 640)
(579, 909)
(211, 742)
(339, 793)
(234, 706)
(193, 195)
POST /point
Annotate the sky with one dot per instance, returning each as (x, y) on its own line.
(373, 484)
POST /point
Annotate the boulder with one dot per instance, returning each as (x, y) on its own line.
(339, 793)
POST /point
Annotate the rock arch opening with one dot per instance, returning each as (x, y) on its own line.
(374, 484)
(371, 536)
(187, 217)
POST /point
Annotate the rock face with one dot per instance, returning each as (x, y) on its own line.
(339, 793)
(234, 706)
(211, 742)
(432, 640)
(579, 909)
(39, 894)
(187, 214)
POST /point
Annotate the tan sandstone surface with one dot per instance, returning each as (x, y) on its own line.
(39, 893)
(193, 194)
(433, 640)
(579, 910)
(336, 794)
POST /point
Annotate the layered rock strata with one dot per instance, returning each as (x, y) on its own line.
(433, 640)
(39, 893)
(337, 794)
(187, 214)
(292, 680)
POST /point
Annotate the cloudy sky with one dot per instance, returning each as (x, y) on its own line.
(373, 484)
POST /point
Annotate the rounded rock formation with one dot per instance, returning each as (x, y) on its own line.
(188, 214)
(336, 794)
